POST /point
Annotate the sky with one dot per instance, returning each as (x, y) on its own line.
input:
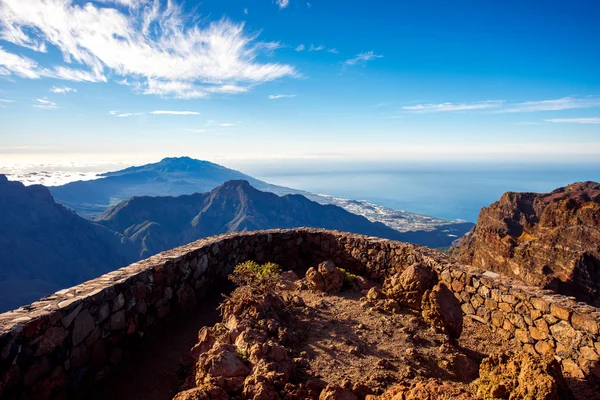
(297, 80)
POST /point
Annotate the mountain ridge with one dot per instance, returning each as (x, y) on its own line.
(176, 176)
(233, 206)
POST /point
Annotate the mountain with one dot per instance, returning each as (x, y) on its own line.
(184, 175)
(46, 247)
(159, 223)
(547, 239)
(169, 177)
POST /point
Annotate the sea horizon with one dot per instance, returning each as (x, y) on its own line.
(451, 190)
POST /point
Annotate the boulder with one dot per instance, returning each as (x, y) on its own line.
(441, 309)
(204, 392)
(408, 287)
(333, 278)
(315, 280)
(424, 390)
(336, 392)
(326, 278)
(521, 376)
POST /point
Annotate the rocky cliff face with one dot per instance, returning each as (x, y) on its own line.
(550, 240)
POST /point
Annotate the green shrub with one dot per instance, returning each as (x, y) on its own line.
(253, 273)
(349, 278)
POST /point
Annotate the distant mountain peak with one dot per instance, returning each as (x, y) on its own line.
(235, 183)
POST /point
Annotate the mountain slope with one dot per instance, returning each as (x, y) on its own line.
(158, 223)
(184, 175)
(168, 177)
(46, 247)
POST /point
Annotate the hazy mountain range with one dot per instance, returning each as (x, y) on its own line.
(184, 175)
(47, 246)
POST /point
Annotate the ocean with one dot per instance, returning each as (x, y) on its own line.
(450, 193)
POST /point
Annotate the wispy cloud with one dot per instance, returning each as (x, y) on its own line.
(363, 57)
(300, 47)
(280, 96)
(226, 125)
(124, 114)
(128, 3)
(334, 51)
(563, 103)
(575, 120)
(62, 90)
(6, 101)
(502, 106)
(316, 48)
(45, 104)
(150, 42)
(282, 3)
(169, 112)
(156, 112)
(246, 11)
(449, 107)
(196, 130)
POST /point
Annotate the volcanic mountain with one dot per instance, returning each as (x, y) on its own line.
(160, 223)
(186, 176)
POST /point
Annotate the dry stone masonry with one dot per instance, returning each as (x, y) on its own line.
(61, 345)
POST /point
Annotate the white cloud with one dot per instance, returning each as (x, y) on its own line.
(300, 47)
(128, 3)
(62, 90)
(26, 68)
(334, 51)
(280, 96)
(6, 101)
(167, 112)
(150, 42)
(196, 130)
(282, 3)
(226, 125)
(363, 57)
(246, 11)
(316, 48)
(575, 120)
(448, 107)
(501, 106)
(564, 103)
(45, 104)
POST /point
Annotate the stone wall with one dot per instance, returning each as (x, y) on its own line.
(61, 345)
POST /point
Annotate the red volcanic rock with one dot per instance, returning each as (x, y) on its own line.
(551, 240)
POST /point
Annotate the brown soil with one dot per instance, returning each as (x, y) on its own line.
(350, 340)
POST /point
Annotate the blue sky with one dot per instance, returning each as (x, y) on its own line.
(294, 80)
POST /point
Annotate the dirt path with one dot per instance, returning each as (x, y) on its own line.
(346, 340)
(150, 372)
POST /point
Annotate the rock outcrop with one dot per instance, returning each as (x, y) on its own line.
(521, 376)
(442, 310)
(327, 277)
(550, 240)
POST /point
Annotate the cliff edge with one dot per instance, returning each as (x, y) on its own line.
(551, 240)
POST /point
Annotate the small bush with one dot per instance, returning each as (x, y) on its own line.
(349, 278)
(243, 353)
(252, 273)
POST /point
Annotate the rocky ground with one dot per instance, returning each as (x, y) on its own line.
(334, 335)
